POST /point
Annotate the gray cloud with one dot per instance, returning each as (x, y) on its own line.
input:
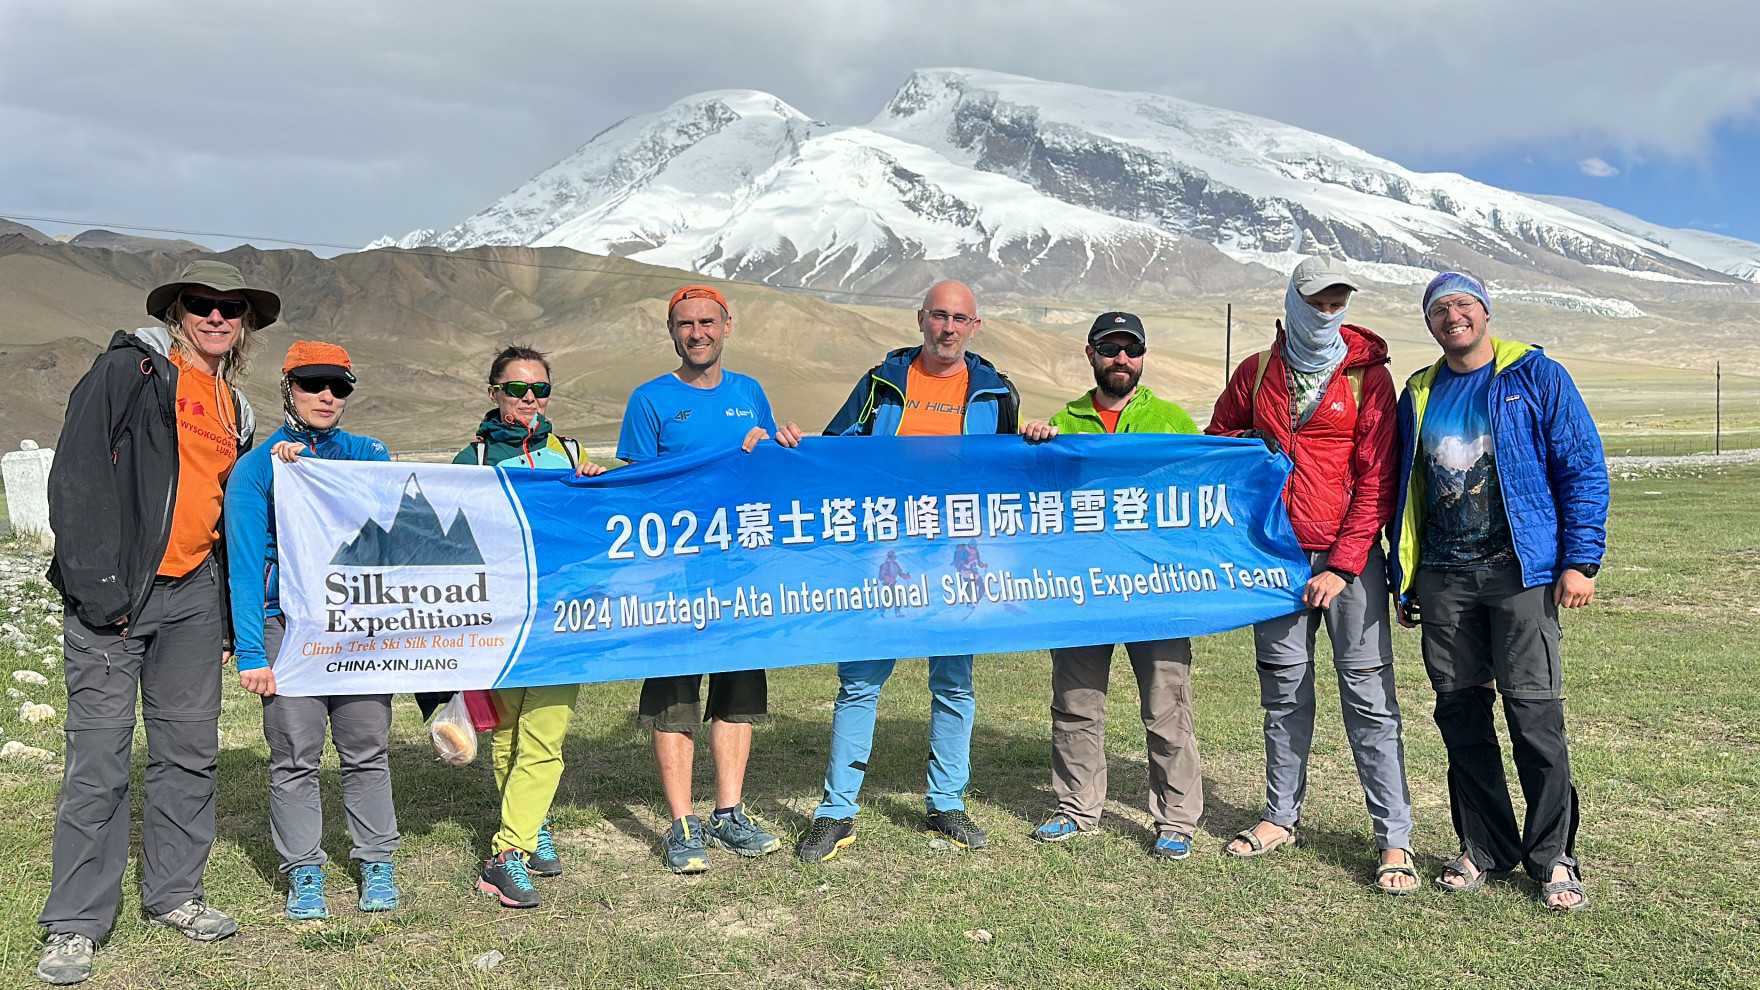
(341, 121)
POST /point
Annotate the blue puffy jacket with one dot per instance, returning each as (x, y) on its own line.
(1550, 467)
(254, 577)
(875, 407)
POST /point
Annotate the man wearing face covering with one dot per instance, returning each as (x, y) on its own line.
(1323, 395)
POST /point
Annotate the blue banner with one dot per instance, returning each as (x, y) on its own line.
(402, 577)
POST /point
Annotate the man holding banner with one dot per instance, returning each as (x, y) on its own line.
(702, 405)
(936, 389)
(1079, 674)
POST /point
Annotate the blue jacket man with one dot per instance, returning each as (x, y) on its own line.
(937, 389)
(1502, 521)
(316, 381)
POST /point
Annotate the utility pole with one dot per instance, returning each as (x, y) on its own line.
(1228, 347)
(1717, 443)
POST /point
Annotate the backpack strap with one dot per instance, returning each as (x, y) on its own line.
(572, 448)
(1264, 358)
(1355, 377)
(481, 446)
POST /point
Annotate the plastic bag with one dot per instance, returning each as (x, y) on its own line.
(455, 739)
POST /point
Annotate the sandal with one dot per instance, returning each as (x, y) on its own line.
(1405, 869)
(1459, 867)
(1572, 885)
(1258, 847)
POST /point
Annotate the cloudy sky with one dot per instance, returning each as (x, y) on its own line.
(338, 121)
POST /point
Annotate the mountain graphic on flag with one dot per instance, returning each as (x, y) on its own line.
(415, 538)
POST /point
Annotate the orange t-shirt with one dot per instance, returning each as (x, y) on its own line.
(933, 407)
(206, 452)
(1109, 418)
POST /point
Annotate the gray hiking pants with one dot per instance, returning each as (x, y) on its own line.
(1362, 653)
(1079, 678)
(360, 725)
(171, 658)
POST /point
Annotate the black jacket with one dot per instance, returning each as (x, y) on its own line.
(114, 478)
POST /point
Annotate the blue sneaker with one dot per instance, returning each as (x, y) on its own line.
(305, 894)
(1172, 845)
(545, 861)
(1056, 828)
(378, 887)
(685, 852)
(738, 833)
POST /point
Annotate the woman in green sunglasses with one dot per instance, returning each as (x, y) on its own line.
(527, 746)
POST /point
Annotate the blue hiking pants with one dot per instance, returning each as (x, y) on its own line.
(951, 713)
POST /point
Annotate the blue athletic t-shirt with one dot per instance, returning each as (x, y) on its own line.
(1465, 527)
(666, 416)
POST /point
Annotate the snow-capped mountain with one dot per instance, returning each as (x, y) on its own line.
(1719, 252)
(1033, 187)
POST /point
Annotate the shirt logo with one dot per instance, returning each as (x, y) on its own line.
(1337, 407)
(740, 413)
(683, 414)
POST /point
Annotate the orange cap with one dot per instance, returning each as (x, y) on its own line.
(316, 357)
(696, 292)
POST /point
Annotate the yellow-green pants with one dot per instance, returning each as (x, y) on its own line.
(528, 759)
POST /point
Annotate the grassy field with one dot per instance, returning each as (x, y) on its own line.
(1664, 702)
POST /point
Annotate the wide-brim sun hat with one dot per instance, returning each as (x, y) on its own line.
(216, 276)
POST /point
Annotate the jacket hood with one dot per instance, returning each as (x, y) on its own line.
(493, 429)
(1364, 348)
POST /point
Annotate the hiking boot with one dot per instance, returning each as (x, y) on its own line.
(1057, 828)
(1171, 845)
(544, 861)
(197, 921)
(957, 827)
(305, 894)
(685, 852)
(67, 958)
(506, 878)
(379, 887)
(738, 833)
(823, 841)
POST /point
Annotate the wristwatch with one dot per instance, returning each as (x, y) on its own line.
(1587, 570)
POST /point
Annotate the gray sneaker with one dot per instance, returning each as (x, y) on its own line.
(196, 920)
(67, 958)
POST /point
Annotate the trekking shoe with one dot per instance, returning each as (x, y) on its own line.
(1171, 845)
(823, 841)
(957, 827)
(197, 921)
(738, 833)
(378, 887)
(67, 958)
(685, 852)
(545, 862)
(305, 894)
(505, 877)
(1056, 828)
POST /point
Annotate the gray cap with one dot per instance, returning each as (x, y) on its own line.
(1319, 273)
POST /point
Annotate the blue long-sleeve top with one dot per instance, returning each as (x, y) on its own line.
(254, 578)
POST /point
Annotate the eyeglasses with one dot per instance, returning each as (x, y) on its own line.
(518, 390)
(339, 387)
(1109, 349)
(960, 320)
(201, 306)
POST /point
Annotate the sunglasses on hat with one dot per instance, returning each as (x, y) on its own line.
(339, 387)
(1110, 349)
(518, 390)
(201, 306)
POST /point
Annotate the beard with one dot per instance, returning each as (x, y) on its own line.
(1116, 382)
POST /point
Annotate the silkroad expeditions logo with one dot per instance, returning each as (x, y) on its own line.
(401, 579)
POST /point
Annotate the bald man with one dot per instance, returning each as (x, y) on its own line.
(937, 389)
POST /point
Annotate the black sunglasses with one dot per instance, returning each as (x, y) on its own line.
(201, 306)
(518, 390)
(339, 387)
(1110, 349)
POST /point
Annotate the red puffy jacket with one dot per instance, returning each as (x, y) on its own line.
(1341, 493)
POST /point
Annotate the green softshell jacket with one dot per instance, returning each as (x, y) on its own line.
(1143, 414)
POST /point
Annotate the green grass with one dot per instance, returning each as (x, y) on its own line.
(1664, 717)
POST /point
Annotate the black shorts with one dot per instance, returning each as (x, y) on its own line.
(670, 704)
